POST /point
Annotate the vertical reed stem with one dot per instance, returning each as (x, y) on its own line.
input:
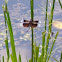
(46, 14)
(32, 13)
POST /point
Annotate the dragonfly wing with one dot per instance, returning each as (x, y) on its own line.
(35, 22)
(34, 25)
(26, 21)
(26, 24)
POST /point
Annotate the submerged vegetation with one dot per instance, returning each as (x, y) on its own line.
(45, 51)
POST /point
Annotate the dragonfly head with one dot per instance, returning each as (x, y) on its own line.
(31, 20)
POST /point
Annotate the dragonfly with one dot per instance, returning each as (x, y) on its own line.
(33, 24)
(30, 23)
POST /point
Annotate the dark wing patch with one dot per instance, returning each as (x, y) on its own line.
(35, 22)
(26, 24)
(34, 25)
(26, 21)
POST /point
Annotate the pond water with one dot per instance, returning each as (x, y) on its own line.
(20, 10)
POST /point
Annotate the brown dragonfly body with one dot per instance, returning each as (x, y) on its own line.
(30, 23)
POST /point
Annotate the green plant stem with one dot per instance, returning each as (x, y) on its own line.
(11, 36)
(32, 28)
(60, 4)
(32, 44)
(46, 14)
(3, 58)
(19, 57)
(51, 17)
(32, 13)
(53, 45)
(6, 41)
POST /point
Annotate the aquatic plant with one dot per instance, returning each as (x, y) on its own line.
(45, 51)
(8, 22)
(45, 54)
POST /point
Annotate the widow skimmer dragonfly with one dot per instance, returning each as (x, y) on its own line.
(30, 23)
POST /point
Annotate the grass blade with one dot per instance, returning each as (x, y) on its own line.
(11, 34)
(43, 46)
(6, 41)
(11, 37)
(12, 58)
(61, 57)
(60, 4)
(37, 53)
(3, 58)
(30, 60)
(53, 45)
(19, 57)
(51, 17)
(7, 48)
(46, 14)
(55, 59)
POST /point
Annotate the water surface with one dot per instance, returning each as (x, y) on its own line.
(20, 10)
